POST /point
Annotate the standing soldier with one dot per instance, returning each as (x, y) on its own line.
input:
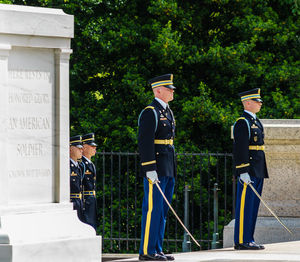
(250, 167)
(89, 180)
(76, 174)
(157, 154)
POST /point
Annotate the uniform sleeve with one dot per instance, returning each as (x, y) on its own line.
(146, 135)
(241, 147)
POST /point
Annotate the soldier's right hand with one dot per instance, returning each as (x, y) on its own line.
(246, 178)
(152, 176)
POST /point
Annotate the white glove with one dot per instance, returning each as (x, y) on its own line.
(245, 178)
(152, 175)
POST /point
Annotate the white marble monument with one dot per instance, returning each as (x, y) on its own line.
(37, 221)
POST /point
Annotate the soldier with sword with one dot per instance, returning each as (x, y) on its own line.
(250, 168)
(157, 154)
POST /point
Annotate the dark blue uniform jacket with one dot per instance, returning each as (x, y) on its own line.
(89, 178)
(249, 160)
(76, 188)
(89, 185)
(75, 178)
(159, 126)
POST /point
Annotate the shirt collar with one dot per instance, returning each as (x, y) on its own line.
(250, 113)
(74, 162)
(164, 105)
(87, 159)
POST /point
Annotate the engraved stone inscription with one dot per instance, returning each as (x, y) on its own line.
(30, 150)
(28, 98)
(29, 173)
(30, 124)
(26, 74)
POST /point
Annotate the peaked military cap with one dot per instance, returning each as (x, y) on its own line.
(253, 94)
(164, 80)
(89, 139)
(76, 141)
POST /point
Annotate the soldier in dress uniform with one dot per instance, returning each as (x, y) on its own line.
(76, 174)
(157, 153)
(250, 167)
(89, 180)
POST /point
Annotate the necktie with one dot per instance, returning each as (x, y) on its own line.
(94, 167)
(168, 109)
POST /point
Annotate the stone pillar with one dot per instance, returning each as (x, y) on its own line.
(4, 53)
(282, 190)
(37, 220)
(62, 57)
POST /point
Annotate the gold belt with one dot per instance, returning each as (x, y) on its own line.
(72, 195)
(257, 148)
(89, 193)
(163, 141)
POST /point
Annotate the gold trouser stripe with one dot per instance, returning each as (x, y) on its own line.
(242, 165)
(242, 213)
(163, 141)
(149, 163)
(257, 147)
(148, 221)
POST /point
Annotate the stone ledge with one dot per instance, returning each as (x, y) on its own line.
(39, 21)
(285, 122)
(280, 252)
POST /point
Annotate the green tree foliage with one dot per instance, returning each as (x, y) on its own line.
(214, 48)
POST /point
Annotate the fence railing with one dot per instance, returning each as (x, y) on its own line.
(120, 195)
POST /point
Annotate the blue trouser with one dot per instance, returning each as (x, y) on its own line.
(90, 211)
(247, 204)
(154, 214)
(77, 205)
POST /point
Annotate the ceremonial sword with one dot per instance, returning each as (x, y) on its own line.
(272, 212)
(176, 214)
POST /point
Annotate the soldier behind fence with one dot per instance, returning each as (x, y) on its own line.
(89, 180)
(76, 174)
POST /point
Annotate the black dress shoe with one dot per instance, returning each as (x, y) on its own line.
(260, 246)
(169, 257)
(154, 257)
(247, 246)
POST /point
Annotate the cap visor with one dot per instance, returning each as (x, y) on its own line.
(90, 143)
(170, 86)
(79, 146)
(257, 100)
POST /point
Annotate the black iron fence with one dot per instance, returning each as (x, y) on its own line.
(120, 194)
